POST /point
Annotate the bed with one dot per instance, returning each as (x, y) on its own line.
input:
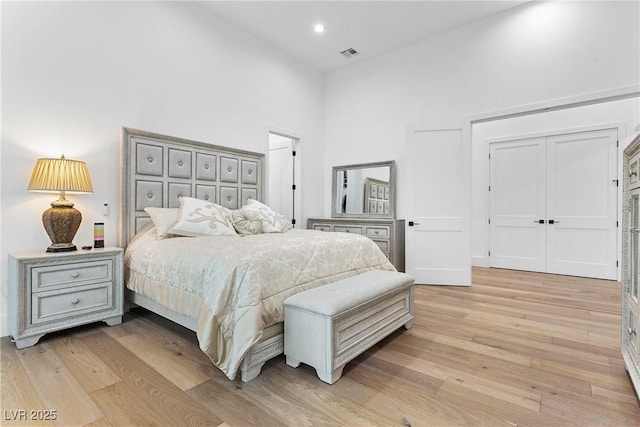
(229, 289)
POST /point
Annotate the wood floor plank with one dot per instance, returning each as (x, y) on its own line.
(57, 387)
(321, 398)
(473, 347)
(407, 405)
(527, 399)
(567, 409)
(229, 406)
(124, 405)
(488, 407)
(102, 422)
(524, 377)
(85, 366)
(168, 401)
(177, 369)
(18, 392)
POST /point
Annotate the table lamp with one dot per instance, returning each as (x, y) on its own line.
(61, 220)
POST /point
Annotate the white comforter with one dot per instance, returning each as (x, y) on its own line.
(235, 286)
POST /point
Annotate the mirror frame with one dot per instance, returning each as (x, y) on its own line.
(392, 190)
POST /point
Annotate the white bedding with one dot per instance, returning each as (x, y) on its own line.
(235, 285)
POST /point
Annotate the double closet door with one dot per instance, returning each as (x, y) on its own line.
(553, 204)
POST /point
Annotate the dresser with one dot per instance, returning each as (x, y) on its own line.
(53, 291)
(388, 234)
(630, 314)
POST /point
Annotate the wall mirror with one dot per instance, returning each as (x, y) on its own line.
(364, 190)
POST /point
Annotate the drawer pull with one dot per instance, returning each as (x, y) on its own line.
(75, 275)
(75, 301)
(377, 231)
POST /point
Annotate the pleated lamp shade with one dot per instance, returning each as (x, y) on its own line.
(62, 220)
(61, 174)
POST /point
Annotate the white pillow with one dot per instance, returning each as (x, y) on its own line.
(272, 222)
(163, 219)
(246, 222)
(199, 217)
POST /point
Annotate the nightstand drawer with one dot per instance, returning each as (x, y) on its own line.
(62, 275)
(347, 229)
(322, 227)
(54, 305)
(380, 232)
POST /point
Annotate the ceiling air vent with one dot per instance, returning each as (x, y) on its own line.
(348, 53)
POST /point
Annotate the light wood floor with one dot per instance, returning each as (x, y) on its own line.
(516, 348)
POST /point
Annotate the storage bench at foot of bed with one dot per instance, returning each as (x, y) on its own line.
(326, 327)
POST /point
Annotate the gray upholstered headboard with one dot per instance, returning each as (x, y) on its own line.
(158, 170)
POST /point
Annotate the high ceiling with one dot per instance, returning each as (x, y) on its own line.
(370, 27)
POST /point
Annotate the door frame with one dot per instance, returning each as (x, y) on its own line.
(297, 174)
(592, 98)
(620, 127)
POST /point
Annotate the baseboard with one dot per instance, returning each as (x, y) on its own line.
(480, 261)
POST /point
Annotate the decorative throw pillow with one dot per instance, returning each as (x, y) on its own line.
(163, 219)
(272, 222)
(199, 217)
(246, 222)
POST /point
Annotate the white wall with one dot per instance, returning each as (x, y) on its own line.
(531, 54)
(73, 73)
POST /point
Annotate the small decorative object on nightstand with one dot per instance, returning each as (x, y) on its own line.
(53, 291)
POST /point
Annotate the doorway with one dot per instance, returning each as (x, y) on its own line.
(282, 175)
(553, 203)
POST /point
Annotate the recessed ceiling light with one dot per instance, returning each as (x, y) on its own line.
(318, 28)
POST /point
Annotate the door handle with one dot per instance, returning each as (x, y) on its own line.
(539, 221)
(551, 221)
(411, 223)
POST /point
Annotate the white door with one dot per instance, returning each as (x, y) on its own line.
(438, 183)
(582, 204)
(517, 185)
(553, 204)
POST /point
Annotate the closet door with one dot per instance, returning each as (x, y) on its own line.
(582, 204)
(553, 204)
(517, 200)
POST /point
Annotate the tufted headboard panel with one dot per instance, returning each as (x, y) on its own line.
(157, 170)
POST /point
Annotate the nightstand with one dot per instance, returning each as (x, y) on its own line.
(53, 291)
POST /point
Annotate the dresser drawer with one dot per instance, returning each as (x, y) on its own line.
(322, 227)
(54, 305)
(377, 232)
(347, 229)
(62, 275)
